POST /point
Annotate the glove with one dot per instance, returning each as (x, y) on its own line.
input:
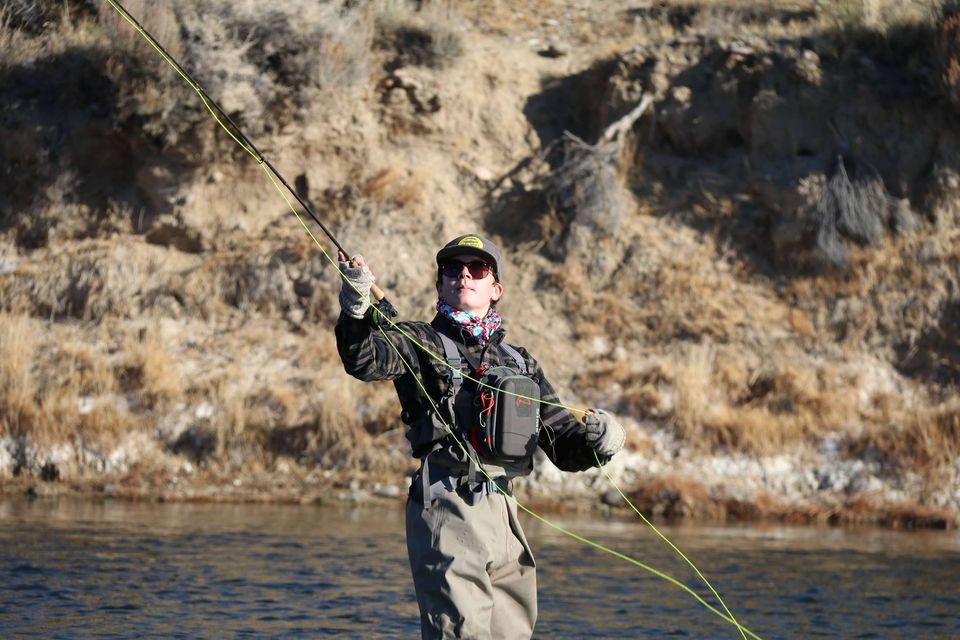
(354, 300)
(604, 433)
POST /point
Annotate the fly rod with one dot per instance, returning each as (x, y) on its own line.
(234, 130)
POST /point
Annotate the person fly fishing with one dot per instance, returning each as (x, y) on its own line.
(473, 570)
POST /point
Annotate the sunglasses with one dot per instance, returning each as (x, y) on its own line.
(477, 268)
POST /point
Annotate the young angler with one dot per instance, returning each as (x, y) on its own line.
(473, 570)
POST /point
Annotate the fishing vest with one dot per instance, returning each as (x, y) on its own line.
(497, 421)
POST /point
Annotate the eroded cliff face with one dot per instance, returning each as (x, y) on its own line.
(758, 274)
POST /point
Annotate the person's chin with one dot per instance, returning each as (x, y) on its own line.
(466, 303)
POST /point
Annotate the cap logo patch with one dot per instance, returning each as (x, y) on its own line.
(471, 241)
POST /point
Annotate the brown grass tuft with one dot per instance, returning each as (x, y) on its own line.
(398, 187)
(673, 497)
(158, 376)
(694, 402)
(18, 388)
(925, 440)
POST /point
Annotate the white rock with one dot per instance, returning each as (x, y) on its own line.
(203, 410)
(8, 264)
(600, 344)
(484, 174)
(6, 460)
(85, 405)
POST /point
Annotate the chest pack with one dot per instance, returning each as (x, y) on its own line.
(500, 417)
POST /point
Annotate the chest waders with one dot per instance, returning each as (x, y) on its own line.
(498, 421)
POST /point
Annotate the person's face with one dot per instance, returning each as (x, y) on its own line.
(467, 283)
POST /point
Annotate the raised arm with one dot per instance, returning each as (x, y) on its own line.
(366, 352)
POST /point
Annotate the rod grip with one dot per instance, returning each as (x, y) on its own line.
(377, 293)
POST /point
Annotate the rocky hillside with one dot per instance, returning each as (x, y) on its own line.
(732, 223)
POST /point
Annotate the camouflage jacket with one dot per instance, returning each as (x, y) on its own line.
(367, 356)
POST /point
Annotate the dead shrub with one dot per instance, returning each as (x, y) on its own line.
(586, 187)
(271, 408)
(855, 205)
(37, 16)
(263, 64)
(92, 285)
(947, 49)
(262, 283)
(149, 92)
(426, 36)
(89, 369)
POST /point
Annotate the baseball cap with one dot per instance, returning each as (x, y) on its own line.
(474, 245)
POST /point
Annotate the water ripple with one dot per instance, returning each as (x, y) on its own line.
(122, 570)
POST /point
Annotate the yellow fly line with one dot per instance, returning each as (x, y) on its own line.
(727, 616)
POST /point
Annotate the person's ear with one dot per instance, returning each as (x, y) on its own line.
(497, 292)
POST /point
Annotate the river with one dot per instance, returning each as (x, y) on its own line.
(114, 569)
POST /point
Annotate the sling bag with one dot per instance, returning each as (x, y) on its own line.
(499, 418)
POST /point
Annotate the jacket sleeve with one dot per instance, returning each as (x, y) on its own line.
(366, 353)
(562, 436)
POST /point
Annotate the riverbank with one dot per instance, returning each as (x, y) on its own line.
(734, 227)
(717, 489)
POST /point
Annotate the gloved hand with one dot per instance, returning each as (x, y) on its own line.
(352, 302)
(604, 433)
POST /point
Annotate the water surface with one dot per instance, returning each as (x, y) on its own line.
(115, 569)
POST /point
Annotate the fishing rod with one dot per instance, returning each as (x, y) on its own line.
(384, 311)
(382, 305)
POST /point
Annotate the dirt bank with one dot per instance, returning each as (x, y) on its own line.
(757, 271)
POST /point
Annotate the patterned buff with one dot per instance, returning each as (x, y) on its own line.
(480, 329)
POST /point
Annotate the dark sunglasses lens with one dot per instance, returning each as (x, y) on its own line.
(477, 269)
(451, 269)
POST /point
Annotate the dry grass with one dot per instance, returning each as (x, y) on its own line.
(51, 393)
(403, 188)
(880, 15)
(18, 411)
(923, 439)
(692, 383)
(427, 36)
(148, 369)
(717, 397)
(947, 49)
(263, 65)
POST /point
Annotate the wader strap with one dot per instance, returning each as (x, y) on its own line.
(521, 363)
